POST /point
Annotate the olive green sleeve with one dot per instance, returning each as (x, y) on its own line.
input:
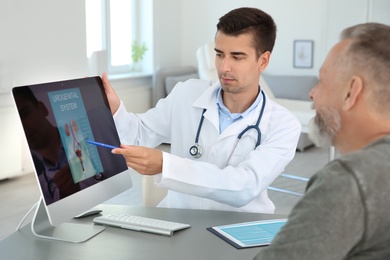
(326, 223)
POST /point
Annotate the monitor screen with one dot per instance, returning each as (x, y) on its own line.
(59, 119)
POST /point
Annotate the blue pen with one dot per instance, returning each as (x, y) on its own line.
(101, 144)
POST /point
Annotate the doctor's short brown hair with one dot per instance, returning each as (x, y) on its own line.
(251, 21)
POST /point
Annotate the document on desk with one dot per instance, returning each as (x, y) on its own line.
(249, 234)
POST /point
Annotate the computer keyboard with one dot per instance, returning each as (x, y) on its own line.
(143, 224)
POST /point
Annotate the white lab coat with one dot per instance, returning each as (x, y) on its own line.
(230, 175)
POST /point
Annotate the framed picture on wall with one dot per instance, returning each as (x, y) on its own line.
(303, 54)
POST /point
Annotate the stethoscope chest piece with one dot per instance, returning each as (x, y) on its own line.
(196, 151)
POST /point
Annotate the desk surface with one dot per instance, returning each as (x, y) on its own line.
(115, 243)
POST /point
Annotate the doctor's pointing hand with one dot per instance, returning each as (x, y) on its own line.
(228, 140)
(144, 160)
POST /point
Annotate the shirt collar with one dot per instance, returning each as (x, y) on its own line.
(222, 108)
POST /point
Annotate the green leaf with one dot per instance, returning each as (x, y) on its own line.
(138, 51)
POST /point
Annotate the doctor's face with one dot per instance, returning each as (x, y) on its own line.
(237, 64)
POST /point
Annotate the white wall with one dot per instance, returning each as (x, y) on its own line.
(299, 19)
(41, 40)
(167, 35)
(182, 26)
(44, 40)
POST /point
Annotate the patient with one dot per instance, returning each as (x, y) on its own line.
(345, 211)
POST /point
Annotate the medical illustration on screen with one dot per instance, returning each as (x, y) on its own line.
(74, 128)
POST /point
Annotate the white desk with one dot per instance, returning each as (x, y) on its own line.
(114, 243)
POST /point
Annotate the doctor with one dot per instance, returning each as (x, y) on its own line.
(229, 141)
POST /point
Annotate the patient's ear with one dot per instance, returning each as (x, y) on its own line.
(353, 92)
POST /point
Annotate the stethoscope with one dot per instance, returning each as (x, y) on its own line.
(196, 150)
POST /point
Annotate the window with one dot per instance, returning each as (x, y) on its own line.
(121, 30)
(112, 26)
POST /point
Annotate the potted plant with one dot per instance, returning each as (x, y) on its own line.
(137, 54)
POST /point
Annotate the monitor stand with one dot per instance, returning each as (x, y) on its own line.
(67, 232)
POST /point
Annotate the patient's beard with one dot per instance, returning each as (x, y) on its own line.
(324, 127)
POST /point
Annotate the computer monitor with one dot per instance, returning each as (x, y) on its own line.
(58, 119)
